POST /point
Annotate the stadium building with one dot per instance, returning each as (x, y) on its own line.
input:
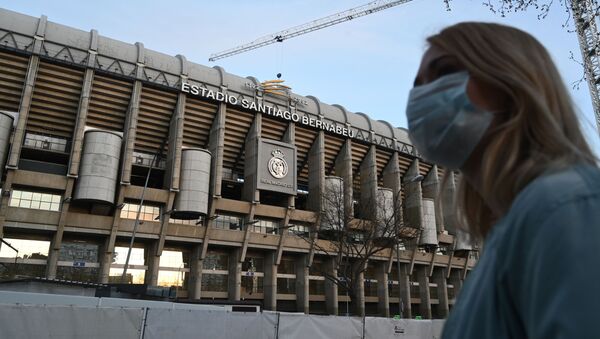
(231, 210)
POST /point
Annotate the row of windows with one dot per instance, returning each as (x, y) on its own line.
(152, 213)
(228, 222)
(51, 202)
(147, 212)
(147, 159)
(45, 142)
(266, 226)
(35, 200)
(79, 261)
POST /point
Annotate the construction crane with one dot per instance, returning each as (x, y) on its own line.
(334, 19)
(585, 16)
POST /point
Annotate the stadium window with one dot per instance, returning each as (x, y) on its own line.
(146, 159)
(78, 261)
(393, 286)
(215, 272)
(45, 142)
(147, 213)
(35, 200)
(300, 229)
(266, 226)
(136, 269)
(370, 281)
(316, 283)
(24, 257)
(286, 276)
(214, 282)
(253, 269)
(173, 269)
(286, 285)
(216, 261)
(228, 222)
(192, 222)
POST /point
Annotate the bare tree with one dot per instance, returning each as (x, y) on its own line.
(504, 7)
(353, 242)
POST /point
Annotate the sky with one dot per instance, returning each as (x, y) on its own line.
(366, 65)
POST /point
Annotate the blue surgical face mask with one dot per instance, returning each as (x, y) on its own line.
(443, 123)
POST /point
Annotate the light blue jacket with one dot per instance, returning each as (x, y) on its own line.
(539, 273)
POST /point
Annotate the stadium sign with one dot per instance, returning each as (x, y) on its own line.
(300, 118)
(267, 109)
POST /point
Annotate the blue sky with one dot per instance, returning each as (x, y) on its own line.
(366, 65)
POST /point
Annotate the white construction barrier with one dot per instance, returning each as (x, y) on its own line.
(376, 327)
(437, 325)
(301, 326)
(173, 323)
(51, 321)
(37, 315)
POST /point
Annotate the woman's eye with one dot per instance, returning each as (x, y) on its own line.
(445, 70)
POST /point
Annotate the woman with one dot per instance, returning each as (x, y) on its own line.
(488, 101)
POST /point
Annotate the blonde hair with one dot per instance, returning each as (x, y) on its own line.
(539, 130)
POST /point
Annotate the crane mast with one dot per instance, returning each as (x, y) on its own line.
(584, 16)
(334, 19)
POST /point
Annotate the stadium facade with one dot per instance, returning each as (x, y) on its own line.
(231, 210)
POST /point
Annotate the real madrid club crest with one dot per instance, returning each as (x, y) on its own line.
(277, 165)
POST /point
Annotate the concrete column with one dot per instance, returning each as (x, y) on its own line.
(19, 131)
(4, 199)
(249, 192)
(368, 185)
(422, 275)
(404, 287)
(195, 278)
(431, 189)
(130, 132)
(110, 241)
(216, 146)
(270, 282)
(56, 243)
(75, 158)
(382, 289)
(52, 261)
(449, 203)
(105, 260)
(247, 231)
(392, 179)
(316, 185)
(153, 262)
(164, 223)
(131, 119)
(456, 281)
(302, 284)
(343, 169)
(24, 106)
(235, 275)
(439, 278)
(413, 205)
(173, 161)
(27, 95)
(84, 102)
(331, 289)
(283, 232)
(316, 173)
(290, 138)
